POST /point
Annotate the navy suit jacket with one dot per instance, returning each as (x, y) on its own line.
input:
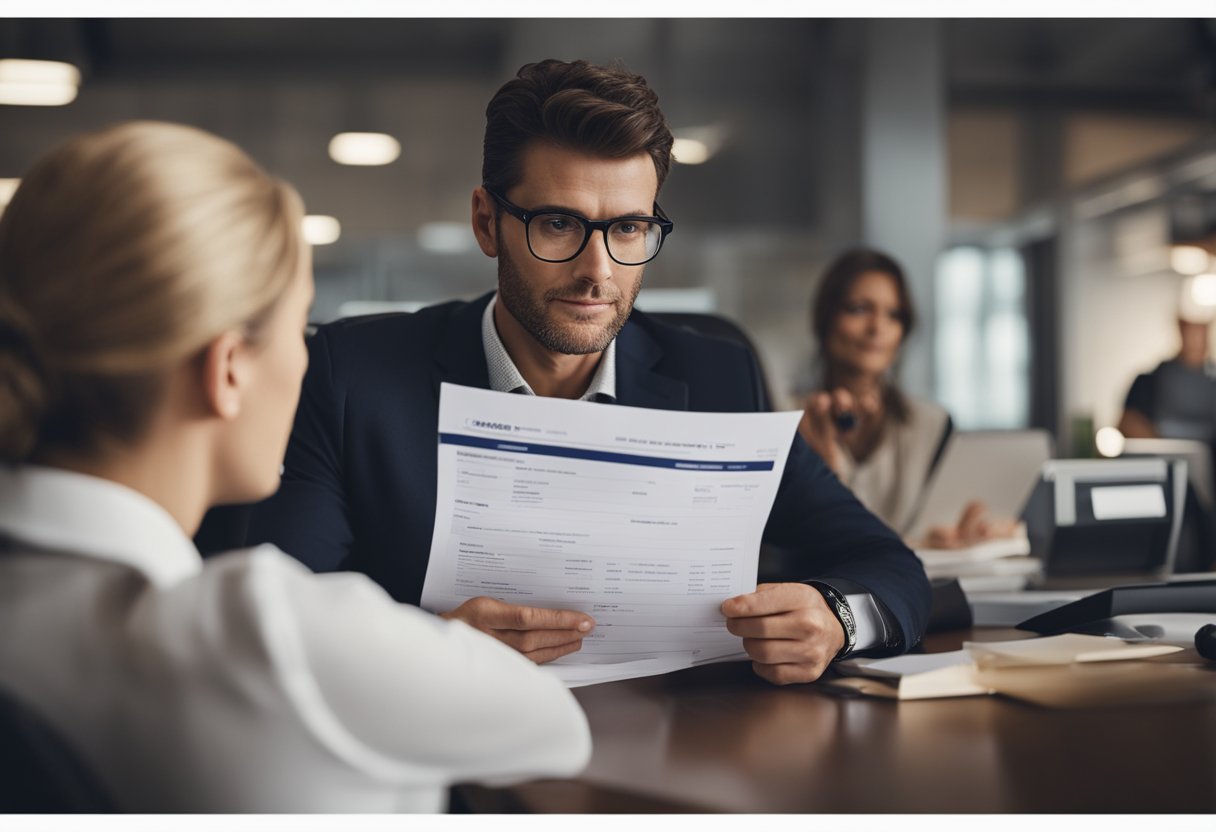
(360, 475)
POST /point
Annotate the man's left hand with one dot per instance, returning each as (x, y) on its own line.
(789, 631)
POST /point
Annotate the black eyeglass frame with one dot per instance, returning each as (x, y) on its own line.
(666, 226)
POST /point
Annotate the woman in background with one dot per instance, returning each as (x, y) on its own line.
(154, 290)
(881, 442)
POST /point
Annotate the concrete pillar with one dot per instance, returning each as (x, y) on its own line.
(903, 167)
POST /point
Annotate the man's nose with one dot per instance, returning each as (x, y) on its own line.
(594, 263)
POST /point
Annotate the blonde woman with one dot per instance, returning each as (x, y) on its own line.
(154, 291)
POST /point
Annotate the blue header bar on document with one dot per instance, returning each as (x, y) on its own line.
(602, 456)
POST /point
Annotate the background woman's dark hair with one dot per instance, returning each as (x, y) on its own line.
(829, 302)
(606, 111)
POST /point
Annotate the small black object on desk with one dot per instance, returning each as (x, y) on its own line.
(1205, 641)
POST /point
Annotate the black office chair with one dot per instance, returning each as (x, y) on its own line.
(39, 773)
(718, 326)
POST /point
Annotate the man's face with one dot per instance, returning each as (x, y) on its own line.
(577, 307)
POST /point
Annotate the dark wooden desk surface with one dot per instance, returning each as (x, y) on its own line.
(718, 738)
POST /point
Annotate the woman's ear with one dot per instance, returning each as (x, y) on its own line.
(224, 375)
(485, 218)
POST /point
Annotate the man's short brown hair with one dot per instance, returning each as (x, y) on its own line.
(604, 111)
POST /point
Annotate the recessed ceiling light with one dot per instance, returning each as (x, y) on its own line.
(1203, 289)
(7, 188)
(446, 237)
(321, 230)
(690, 151)
(364, 149)
(37, 83)
(1189, 259)
(1109, 442)
(697, 145)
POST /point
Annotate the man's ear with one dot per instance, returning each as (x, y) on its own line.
(224, 375)
(485, 219)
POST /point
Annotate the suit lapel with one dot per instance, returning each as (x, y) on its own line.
(637, 382)
(460, 357)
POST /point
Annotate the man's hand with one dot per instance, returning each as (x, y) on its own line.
(788, 629)
(540, 634)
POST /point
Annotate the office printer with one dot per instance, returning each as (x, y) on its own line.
(1107, 521)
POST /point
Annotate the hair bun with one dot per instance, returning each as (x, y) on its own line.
(23, 390)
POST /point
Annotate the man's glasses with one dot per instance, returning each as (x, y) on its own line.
(557, 236)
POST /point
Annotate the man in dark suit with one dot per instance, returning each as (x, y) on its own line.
(575, 155)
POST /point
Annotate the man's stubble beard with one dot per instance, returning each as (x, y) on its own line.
(532, 314)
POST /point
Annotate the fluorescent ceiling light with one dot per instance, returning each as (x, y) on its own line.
(697, 145)
(320, 230)
(446, 237)
(1189, 259)
(364, 149)
(37, 83)
(1109, 442)
(7, 188)
(1203, 289)
(690, 151)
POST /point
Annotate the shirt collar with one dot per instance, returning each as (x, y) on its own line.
(505, 376)
(63, 511)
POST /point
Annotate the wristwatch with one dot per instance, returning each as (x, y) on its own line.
(844, 614)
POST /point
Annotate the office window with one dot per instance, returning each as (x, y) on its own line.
(982, 349)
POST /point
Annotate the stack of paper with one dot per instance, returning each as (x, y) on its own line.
(998, 564)
(985, 667)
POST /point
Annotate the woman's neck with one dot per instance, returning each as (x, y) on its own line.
(173, 474)
(859, 384)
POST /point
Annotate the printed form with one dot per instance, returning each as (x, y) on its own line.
(647, 520)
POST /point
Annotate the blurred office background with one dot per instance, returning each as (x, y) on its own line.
(1049, 184)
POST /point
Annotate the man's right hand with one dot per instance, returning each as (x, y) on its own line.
(540, 634)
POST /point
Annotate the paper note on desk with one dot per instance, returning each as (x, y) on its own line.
(959, 673)
(644, 519)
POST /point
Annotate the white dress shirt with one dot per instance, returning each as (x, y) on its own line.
(872, 628)
(246, 683)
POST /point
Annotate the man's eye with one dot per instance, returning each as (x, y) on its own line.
(559, 225)
(627, 228)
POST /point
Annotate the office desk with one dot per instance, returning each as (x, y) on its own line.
(717, 738)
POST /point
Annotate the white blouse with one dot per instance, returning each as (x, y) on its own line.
(247, 683)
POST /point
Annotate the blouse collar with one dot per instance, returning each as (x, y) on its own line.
(65, 511)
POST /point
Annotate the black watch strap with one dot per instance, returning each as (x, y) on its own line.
(839, 606)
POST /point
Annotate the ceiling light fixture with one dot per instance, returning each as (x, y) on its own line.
(446, 237)
(8, 187)
(1189, 259)
(321, 230)
(697, 145)
(38, 83)
(1203, 289)
(1109, 442)
(364, 149)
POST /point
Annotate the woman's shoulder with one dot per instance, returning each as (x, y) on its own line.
(925, 417)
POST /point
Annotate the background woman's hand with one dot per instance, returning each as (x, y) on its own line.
(826, 435)
(818, 428)
(974, 526)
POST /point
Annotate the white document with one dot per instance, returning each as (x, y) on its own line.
(999, 468)
(1128, 502)
(647, 520)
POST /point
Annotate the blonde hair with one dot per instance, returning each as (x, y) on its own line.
(123, 253)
